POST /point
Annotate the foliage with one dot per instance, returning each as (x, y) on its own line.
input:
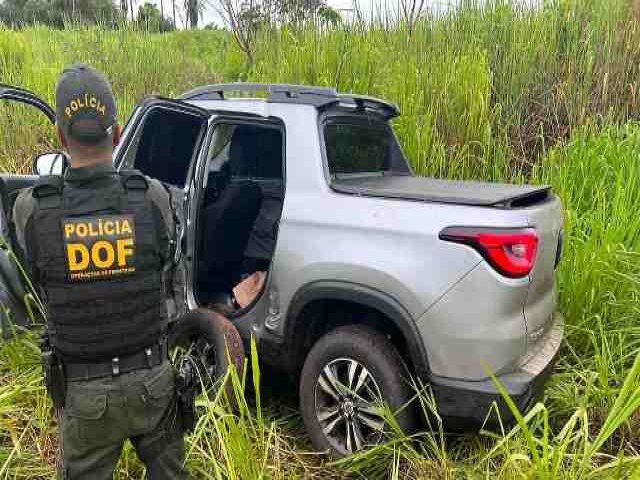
(34, 57)
(245, 18)
(149, 19)
(484, 91)
(297, 11)
(18, 13)
(193, 10)
(329, 16)
(489, 91)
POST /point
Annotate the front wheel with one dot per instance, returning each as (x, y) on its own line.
(210, 342)
(347, 377)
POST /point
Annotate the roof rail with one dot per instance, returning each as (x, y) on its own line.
(278, 92)
(319, 97)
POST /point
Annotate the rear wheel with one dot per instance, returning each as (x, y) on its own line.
(347, 377)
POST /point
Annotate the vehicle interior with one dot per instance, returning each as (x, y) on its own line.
(239, 213)
(240, 205)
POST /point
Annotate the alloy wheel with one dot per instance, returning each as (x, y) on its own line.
(348, 405)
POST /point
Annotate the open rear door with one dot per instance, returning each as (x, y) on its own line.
(13, 314)
(163, 139)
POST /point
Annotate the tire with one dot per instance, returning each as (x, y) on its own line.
(216, 341)
(373, 354)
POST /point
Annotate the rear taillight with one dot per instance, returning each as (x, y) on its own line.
(512, 252)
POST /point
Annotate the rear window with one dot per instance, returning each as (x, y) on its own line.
(164, 145)
(359, 148)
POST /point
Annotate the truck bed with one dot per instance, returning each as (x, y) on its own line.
(442, 191)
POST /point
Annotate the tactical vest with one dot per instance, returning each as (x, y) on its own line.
(99, 265)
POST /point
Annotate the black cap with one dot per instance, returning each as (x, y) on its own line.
(85, 107)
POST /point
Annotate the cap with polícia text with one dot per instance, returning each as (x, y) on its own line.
(85, 107)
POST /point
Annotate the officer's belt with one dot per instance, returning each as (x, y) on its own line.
(148, 358)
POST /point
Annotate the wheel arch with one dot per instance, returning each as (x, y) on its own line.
(354, 295)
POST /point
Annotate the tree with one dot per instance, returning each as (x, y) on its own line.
(56, 12)
(193, 10)
(297, 11)
(245, 17)
(329, 16)
(151, 19)
(123, 9)
(411, 12)
(17, 13)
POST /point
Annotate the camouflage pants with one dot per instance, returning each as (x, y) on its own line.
(100, 414)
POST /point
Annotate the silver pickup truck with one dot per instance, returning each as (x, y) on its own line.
(373, 275)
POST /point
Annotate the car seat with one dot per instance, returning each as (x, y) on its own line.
(262, 239)
(227, 223)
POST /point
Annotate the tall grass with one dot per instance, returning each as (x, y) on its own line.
(485, 89)
(598, 178)
(488, 91)
(232, 438)
(136, 64)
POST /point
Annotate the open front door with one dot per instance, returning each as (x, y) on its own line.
(18, 94)
(13, 314)
(163, 139)
(10, 182)
(11, 94)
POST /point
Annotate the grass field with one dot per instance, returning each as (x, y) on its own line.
(490, 92)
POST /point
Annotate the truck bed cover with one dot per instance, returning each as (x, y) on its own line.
(442, 191)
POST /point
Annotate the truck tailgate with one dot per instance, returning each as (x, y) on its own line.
(443, 191)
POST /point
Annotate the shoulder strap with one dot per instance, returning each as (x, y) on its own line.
(135, 184)
(48, 191)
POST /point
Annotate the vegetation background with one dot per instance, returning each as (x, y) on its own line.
(488, 91)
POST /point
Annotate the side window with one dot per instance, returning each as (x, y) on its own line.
(247, 151)
(164, 145)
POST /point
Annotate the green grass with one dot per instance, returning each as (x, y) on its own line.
(490, 92)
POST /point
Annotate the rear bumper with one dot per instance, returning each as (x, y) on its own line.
(464, 404)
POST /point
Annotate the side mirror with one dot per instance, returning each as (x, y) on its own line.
(50, 163)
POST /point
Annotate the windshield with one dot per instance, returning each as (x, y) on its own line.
(358, 148)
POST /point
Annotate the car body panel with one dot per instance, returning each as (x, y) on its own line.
(546, 218)
(387, 248)
(477, 327)
(466, 403)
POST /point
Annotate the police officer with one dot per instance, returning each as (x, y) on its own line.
(96, 242)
